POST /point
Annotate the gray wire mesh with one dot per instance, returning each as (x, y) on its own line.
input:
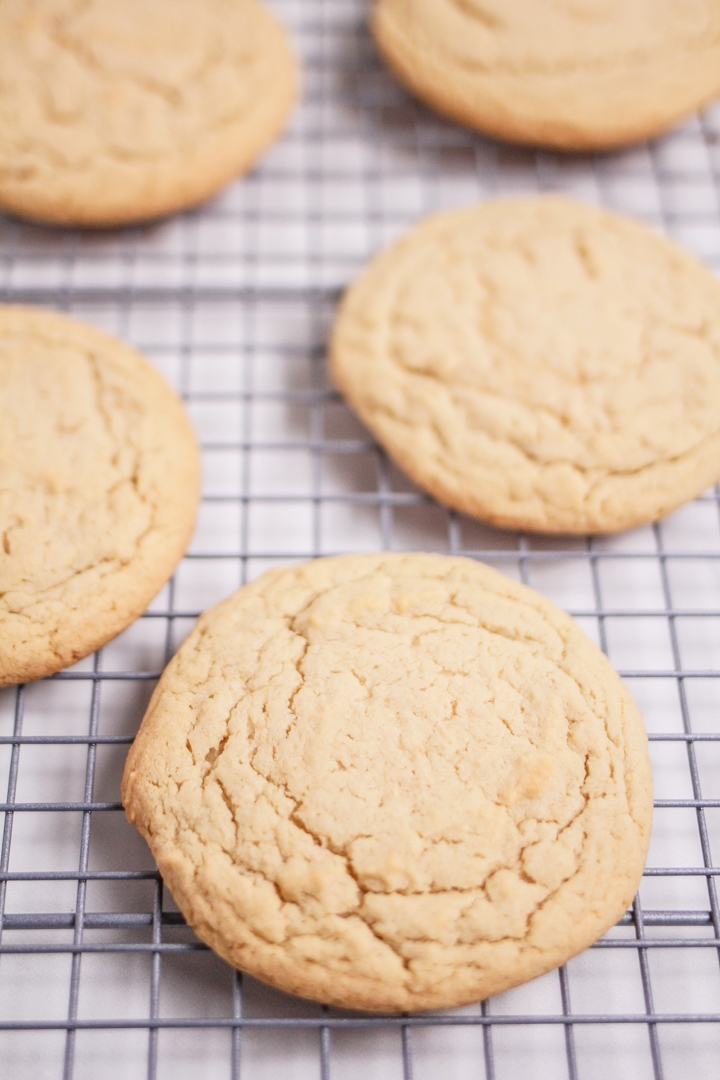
(98, 974)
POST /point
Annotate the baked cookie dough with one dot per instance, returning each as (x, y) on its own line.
(115, 111)
(540, 364)
(569, 74)
(393, 782)
(99, 486)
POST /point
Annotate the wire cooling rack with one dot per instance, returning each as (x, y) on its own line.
(98, 974)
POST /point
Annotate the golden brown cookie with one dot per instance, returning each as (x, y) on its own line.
(393, 782)
(569, 74)
(99, 486)
(540, 364)
(114, 111)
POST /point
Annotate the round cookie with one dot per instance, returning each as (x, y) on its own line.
(568, 74)
(393, 782)
(540, 364)
(99, 486)
(113, 112)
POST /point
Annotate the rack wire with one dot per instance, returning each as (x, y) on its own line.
(99, 976)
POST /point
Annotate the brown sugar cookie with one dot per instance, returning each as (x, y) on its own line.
(114, 111)
(569, 74)
(99, 487)
(393, 782)
(540, 364)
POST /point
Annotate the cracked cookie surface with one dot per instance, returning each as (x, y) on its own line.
(116, 112)
(99, 486)
(539, 364)
(393, 782)
(571, 74)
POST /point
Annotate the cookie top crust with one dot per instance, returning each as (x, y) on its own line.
(99, 487)
(540, 364)
(569, 74)
(117, 112)
(393, 782)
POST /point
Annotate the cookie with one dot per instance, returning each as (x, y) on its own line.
(393, 782)
(539, 364)
(581, 75)
(114, 112)
(99, 487)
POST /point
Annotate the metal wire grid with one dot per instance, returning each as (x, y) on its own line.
(98, 974)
